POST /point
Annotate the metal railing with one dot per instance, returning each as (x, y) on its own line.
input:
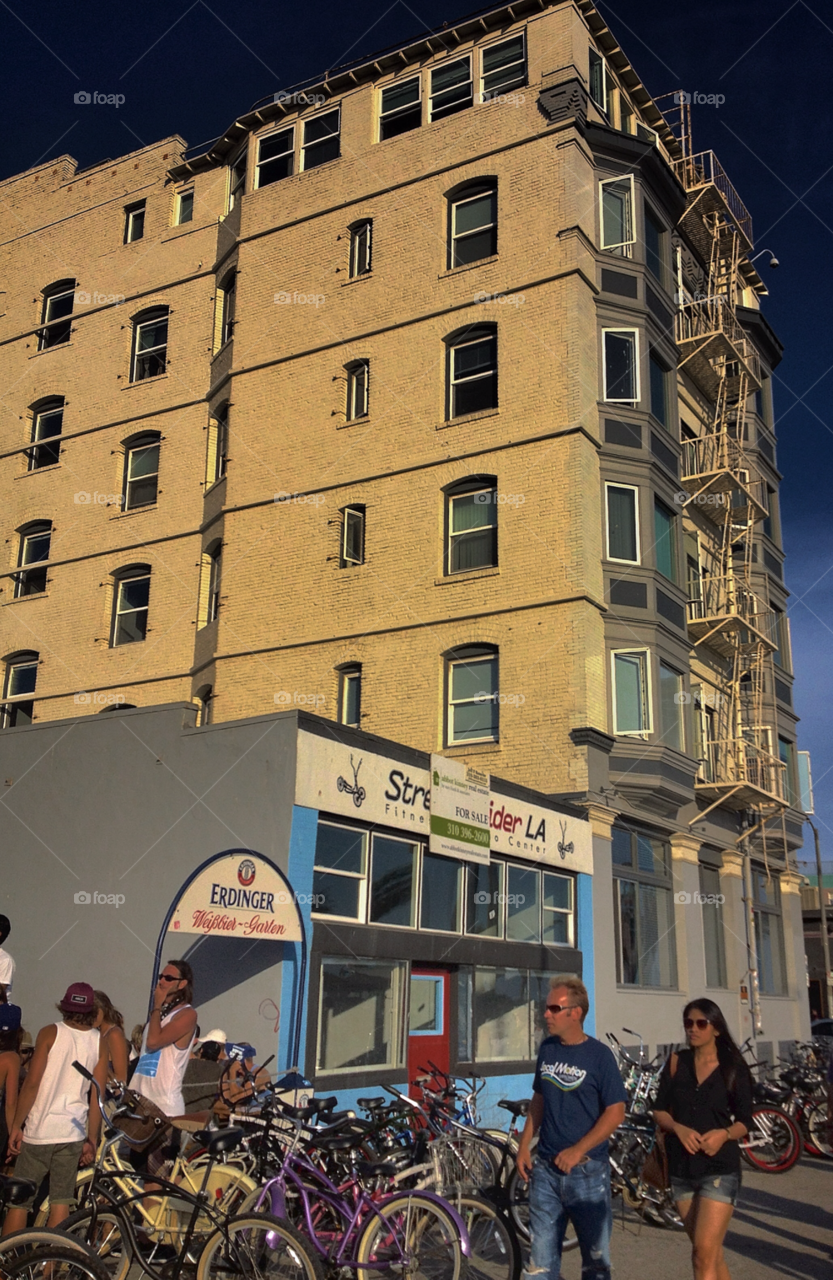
(730, 761)
(704, 169)
(730, 596)
(705, 317)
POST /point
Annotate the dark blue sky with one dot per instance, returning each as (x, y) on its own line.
(190, 67)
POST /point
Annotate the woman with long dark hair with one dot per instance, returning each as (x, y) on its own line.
(704, 1105)
(110, 1025)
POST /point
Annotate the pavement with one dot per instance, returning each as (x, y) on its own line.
(782, 1226)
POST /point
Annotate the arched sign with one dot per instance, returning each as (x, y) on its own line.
(240, 895)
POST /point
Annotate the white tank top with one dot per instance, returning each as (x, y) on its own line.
(60, 1109)
(158, 1075)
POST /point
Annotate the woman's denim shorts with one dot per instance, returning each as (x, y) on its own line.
(722, 1186)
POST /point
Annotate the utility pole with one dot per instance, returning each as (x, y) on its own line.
(825, 941)
(747, 819)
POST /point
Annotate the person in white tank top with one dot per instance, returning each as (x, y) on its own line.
(60, 1115)
(167, 1040)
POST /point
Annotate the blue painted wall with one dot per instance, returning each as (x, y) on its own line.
(301, 860)
(584, 942)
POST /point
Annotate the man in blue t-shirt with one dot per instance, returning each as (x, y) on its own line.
(578, 1101)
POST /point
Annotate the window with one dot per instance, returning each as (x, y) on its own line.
(205, 697)
(631, 693)
(441, 900)
(130, 611)
(237, 179)
(361, 1014)
(358, 390)
(58, 301)
(322, 139)
(361, 235)
(34, 550)
(622, 523)
(185, 207)
(786, 754)
(393, 882)
(714, 946)
(484, 896)
(275, 155)
(769, 934)
(655, 250)
(150, 345)
(617, 216)
(670, 707)
(781, 638)
(621, 369)
(350, 696)
(504, 67)
(559, 910)
(523, 904)
(451, 88)
(401, 108)
(339, 877)
(659, 392)
(21, 678)
(215, 573)
(500, 1014)
(228, 298)
(141, 473)
(646, 953)
(218, 436)
(472, 381)
(665, 540)
(770, 524)
(473, 225)
(134, 222)
(471, 520)
(352, 536)
(47, 422)
(473, 698)
(597, 80)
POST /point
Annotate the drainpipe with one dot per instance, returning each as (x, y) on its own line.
(751, 950)
(825, 941)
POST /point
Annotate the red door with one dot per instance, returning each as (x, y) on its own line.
(428, 1040)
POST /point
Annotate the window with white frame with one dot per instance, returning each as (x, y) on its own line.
(352, 535)
(361, 1014)
(598, 87)
(204, 697)
(621, 365)
(622, 523)
(666, 527)
(218, 437)
(215, 575)
(646, 951)
(237, 178)
(471, 521)
(141, 472)
(322, 139)
(618, 233)
(401, 107)
(228, 301)
(503, 66)
(473, 229)
(358, 390)
(714, 945)
(18, 686)
(58, 301)
(33, 553)
(350, 695)
(631, 692)
(275, 156)
(361, 239)
(130, 605)
(340, 875)
(47, 423)
(472, 371)
(150, 345)
(473, 691)
(769, 933)
(671, 707)
(134, 222)
(441, 901)
(451, 88)
(184, 206)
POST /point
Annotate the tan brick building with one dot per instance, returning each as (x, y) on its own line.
(433, 397)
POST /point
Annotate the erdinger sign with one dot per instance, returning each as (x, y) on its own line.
(238, 896)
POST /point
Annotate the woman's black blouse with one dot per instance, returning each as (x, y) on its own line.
(702, 1107)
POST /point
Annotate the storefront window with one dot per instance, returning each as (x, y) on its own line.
(523, 907)
(644, 910)
(484, 893)
(361, 1013)
(440, 893)
(339, 876)
(501, 1012)
(393, 882)
(559, 925)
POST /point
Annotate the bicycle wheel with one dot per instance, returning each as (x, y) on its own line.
(817, 1129)
(494, 1250)
(19, 1243)
(416, 1236)
(774, 1142)
(518, 1192)
(49, 1262)
(258, 1247)
(103, 1232)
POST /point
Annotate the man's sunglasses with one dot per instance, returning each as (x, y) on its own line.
(699, 1023)
(559, 1008)
(170, 977)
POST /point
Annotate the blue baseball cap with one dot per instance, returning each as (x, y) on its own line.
(9, 1017)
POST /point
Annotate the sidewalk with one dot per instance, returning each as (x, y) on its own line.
(782, 1226)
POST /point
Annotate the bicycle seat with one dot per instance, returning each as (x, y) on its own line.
(375, 1169)
(313, 1108)
(219, 1143)
(515, 1108)
(334, 1141)
(370, 1104)
(15, 1190)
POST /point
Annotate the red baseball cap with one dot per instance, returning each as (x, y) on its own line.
(80, 998)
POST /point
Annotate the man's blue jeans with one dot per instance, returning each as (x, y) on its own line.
(582, 1197)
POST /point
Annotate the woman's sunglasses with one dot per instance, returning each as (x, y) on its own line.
(699, 1023)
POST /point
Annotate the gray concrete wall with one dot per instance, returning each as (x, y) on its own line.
(130, 804)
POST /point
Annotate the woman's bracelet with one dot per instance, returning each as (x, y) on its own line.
(728, 1133)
